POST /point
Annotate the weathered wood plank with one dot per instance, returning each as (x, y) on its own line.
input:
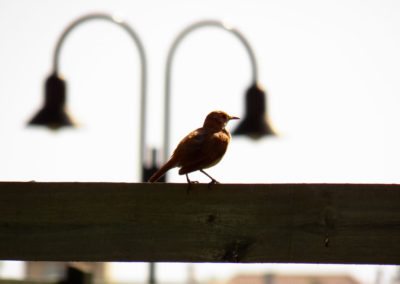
(290, 223)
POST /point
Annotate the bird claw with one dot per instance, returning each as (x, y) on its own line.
(213, 181)
(190, 182)
(189, 187)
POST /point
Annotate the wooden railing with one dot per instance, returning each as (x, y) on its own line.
(247, 223)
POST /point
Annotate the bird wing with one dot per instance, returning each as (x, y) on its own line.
(201, 149)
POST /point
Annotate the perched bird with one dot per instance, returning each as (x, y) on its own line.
(201, 148)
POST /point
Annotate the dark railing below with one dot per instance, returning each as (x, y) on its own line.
(246, 223)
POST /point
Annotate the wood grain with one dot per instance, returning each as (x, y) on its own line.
(247, 223)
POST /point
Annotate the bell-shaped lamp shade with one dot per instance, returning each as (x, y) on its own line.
(255, 122)
(53, 114)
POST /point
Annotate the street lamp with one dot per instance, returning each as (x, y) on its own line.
(53, 112)
(255, 121)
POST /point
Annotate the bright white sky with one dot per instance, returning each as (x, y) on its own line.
(331, 69)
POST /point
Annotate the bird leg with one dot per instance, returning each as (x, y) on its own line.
(213, 180)
(189, 183)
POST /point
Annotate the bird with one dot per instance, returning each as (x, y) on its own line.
(201, 148)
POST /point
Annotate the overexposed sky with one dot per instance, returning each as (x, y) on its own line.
(331, 69)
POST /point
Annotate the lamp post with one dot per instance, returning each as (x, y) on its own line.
(53, 112)
(254, 123)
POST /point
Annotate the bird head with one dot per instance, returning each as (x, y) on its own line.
(218, 119)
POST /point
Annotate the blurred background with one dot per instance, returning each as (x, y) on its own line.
(330, 69)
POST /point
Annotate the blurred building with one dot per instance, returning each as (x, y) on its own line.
(293, 279)
(396, 278)
(55, 271)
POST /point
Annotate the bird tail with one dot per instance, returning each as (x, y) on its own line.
(166, 167)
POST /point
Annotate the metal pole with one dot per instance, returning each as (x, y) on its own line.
(143, 64)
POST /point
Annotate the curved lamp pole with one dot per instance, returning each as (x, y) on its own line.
(53, 114)
(253, 86)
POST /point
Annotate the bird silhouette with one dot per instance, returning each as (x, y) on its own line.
(201, 148)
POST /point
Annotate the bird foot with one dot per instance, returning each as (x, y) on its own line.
(189, 187)
(213, 181)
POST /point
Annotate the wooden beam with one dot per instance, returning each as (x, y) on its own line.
(248, 223)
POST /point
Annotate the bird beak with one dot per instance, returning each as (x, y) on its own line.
(233, 117)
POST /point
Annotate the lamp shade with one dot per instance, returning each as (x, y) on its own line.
(53, 114)
(254, 123)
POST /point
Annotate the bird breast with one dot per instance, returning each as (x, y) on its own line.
(201, 149)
